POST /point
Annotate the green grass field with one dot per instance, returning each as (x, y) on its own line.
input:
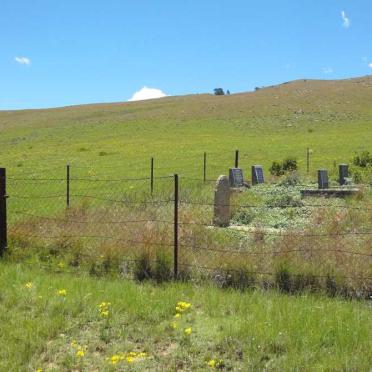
(42, 329)
(54, 249)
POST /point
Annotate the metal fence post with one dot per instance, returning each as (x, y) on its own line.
(152, 176)
(3, 217)
(236, 158)
(68, 185)
(205, 167)
(175, 253)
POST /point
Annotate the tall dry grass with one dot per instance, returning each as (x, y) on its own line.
(330, 252)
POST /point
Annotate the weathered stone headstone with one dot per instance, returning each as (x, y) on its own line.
(343, 171)
(222, 202)
(257, 174)
(236, 178)
(323, 179)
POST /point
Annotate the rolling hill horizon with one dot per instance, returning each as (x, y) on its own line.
(333, 85)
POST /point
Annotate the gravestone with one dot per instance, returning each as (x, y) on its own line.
(257, 174)
(222, 202)
(236, 178)
(323, 179)
(343, 171)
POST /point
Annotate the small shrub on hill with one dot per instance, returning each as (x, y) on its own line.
(287, 165)
(276, 169)
(363, 160)
(290, 164)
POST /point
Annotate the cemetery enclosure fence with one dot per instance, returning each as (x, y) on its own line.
(97, 223)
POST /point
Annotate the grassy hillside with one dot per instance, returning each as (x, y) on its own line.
(334, 118)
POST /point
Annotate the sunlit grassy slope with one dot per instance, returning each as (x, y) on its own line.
(334, 118)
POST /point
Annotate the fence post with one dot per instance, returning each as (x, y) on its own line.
(205, 167)
(3, 219)
(68, 185)
(175, 253)
(152, 175)
(236, 158)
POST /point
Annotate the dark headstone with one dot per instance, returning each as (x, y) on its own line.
(257, 174)
(323, 179)
(343, 171)
(236, 178)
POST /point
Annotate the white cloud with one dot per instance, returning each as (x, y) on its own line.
(370, 65)
(147, 93)
(22, 60)
(346, 21)
(327, 70)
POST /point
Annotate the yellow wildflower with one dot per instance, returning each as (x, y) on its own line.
(212, 363)
(74, 343)
(61, 265)
(62, 292)
(178, 315)
(39, 370)
(188, 331)
(114, 359)
(103, 309)
(174, 325)
(182, 306)
(104, 304)
(28, 285)
(130, 359)
(80, 353)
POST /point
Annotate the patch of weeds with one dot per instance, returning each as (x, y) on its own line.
(244, 216)
(163, 267)
(306, 281)
(363, 160)
(142, 267)
(238, 278)
(292, 179)
(283, 278)
(284, 198)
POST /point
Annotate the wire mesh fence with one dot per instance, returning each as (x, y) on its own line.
(140, 225)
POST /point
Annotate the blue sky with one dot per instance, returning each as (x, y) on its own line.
(55, 53)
